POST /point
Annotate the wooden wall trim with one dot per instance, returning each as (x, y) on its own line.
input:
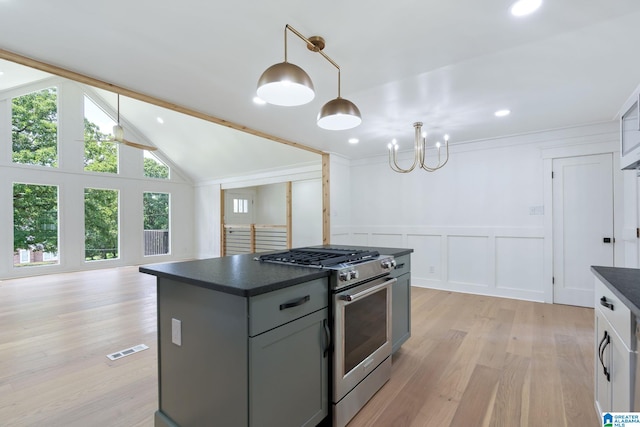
(222, 233)
(326, 199)
(289, 215)
(81, 78)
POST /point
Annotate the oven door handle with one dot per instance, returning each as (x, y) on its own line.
(366, 292)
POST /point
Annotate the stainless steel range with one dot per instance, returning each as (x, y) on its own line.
(361, 328)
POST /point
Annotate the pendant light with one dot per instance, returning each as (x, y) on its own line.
(287, 84)
(339, 113)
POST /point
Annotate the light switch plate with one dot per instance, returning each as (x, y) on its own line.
(176, 332)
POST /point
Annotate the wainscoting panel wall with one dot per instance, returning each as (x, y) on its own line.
(505, 262)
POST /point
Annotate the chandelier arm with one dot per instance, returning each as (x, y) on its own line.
(393, 163)
(439, 165)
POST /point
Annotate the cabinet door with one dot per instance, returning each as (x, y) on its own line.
(603, 359)
(612, 393)
(401, 311)
(288, 374)
(620, 375)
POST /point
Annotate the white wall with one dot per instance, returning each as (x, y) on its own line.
(271, 204)
(207, 219)
(306, 213)
(71, 180)
(340, 188)
(475, 224)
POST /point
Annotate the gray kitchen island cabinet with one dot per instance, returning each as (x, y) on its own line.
(248, 356)
(401, 302)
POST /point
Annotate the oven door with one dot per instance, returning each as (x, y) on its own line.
(362, 332)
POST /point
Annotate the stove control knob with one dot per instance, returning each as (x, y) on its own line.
(390, 263)
(353, 274)
(343, 276)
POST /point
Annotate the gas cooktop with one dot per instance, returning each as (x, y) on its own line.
(320, 257)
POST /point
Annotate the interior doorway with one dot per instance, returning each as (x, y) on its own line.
(583, 225)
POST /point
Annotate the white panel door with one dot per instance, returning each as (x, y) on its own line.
(582, 225)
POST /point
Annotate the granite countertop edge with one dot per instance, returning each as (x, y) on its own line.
(623, 282)
(239, 274)
(235, 290)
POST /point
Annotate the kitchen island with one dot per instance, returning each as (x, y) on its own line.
(244, 343)
(617, 308)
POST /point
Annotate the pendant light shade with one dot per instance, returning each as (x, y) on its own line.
(285, 84)
(339, 114)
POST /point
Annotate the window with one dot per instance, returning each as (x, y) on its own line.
(35, 224)
(156, 223)
(240, 206)
(100, 224)
(100, 152)
(154, 167)
(34, 128)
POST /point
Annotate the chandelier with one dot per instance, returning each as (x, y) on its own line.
(286, 84)
(419, 149)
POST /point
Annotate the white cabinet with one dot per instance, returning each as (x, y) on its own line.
(613, 352)
(630, 132)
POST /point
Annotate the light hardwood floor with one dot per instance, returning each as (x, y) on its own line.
(471, 361)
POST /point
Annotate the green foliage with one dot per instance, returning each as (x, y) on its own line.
(155, 169)
(35, 217)
(34, 128)
(100, 155)
(100, 224)
(156, 211)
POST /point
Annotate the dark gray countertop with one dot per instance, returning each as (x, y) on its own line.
(624, 283)
(242, 275)
(236, 274)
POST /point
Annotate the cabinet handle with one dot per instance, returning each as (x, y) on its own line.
(327, 337)
(604, 342)
(295, 303)
(605, 303)
(400, 266)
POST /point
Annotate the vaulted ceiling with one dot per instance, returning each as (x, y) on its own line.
(450, 64)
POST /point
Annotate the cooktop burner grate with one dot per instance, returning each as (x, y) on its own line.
(320, 257)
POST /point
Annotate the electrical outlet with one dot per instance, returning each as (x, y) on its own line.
(176, 332)
(432, 269)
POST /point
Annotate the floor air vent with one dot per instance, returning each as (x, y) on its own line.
(122, 353)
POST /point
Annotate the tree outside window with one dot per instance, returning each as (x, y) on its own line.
(154, 167)
(34, 128)
(100, 224)
(156, 223)
(100, 152)
(35, 224)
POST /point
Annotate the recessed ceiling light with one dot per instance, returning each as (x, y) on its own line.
(502, 113)
(353, 140)
(525, 7)
(1, 73)
(258, 100)
(160, 120)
